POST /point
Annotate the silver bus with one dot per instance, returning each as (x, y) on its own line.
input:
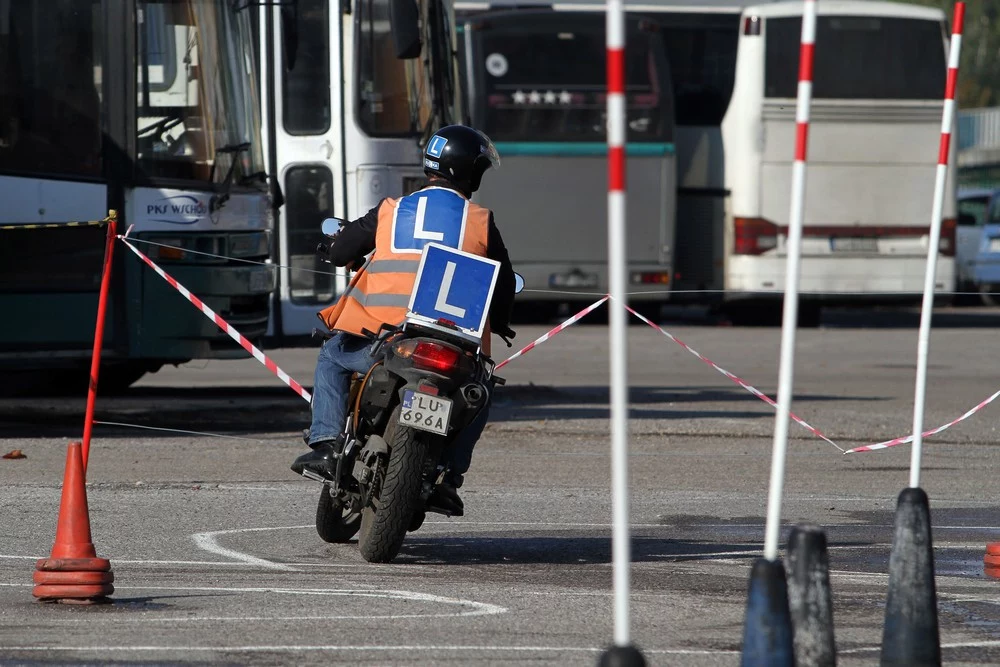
(535, 82)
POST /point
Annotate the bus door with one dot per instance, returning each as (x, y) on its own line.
(538, 89)
(701, 49)
(300, 58)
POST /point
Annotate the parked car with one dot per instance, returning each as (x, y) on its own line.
(977, 240)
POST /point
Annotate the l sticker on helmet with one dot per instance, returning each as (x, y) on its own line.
(436, 146)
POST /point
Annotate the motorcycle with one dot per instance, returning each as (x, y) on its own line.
(429, 381)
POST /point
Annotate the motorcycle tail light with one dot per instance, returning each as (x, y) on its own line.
(435, 357)
(428, 355)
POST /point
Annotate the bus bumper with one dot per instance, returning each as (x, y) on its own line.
(835, 279)
(580, 281)
(164, 325)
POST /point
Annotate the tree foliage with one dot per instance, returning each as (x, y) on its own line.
(979, 75)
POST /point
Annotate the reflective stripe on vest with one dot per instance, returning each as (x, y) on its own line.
(381, 292)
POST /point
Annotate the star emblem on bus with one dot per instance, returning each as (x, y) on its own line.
(565, 97)
(519, 97)
(550, 97)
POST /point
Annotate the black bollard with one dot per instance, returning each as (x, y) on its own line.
(622, 656)
(809, 598)
(910, 636)
(767, 629)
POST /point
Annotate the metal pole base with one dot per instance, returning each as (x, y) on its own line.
(910, 636)
(767, 630)
(622, 656)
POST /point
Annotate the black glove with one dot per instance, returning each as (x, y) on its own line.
(323, 248)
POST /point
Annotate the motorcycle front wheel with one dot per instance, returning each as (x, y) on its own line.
(334, 522)
(385, 521)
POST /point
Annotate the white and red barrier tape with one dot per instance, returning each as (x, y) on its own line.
(549, 334)
(297, 388)
(741, 382)
(935, 431)
(222, 324)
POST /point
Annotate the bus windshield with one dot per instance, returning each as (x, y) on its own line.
(402, 98)
(197, 100)
(862, 57)
(541, 77)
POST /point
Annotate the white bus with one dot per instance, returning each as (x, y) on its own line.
(875, 125)
(876, 117)
(351, 92)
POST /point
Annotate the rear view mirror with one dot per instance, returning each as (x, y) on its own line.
(332, 225)
(518, 283)
(404, 19)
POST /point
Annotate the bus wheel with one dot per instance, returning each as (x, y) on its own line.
(651, 310)
(989, 294)
(534, 312)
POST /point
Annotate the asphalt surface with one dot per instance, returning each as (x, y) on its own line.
(216, 558)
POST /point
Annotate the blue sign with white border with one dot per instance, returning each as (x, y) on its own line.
(436, 146)
(455, 286)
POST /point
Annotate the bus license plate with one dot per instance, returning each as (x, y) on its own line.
(425, 412)
(853, 244)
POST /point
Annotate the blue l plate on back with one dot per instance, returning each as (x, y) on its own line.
(455, 286)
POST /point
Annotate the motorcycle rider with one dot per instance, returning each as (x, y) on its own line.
(455, 159)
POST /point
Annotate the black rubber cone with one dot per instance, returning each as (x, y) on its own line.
(767, 628)
(622, 656)
(910, 636)
(809, 597)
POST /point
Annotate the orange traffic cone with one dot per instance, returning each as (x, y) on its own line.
(73, 573)
(991, 561)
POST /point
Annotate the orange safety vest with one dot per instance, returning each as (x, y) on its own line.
(380, 292)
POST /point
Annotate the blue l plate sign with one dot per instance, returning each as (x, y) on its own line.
(454, 286)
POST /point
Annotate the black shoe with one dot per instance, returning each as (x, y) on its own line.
(445, 497)
(321, 461)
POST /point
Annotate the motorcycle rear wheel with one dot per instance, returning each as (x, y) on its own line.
(334, 522)
(384, 522)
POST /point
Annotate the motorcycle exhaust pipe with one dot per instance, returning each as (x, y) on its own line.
(473, 394)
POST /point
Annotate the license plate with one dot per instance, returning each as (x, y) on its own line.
(853, 244)
(573, 279)
(425, 412)
(260, 281)
(994, 245)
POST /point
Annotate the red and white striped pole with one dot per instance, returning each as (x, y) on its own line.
(791, 302)
(622, 653)
(944, 148)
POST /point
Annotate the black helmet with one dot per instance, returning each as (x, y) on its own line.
(461, 155)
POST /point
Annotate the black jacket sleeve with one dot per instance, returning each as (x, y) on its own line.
(355, 240)
(503, 295)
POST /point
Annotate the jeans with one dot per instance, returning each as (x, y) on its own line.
(345, 354)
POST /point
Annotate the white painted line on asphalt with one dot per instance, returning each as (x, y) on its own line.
(471, 607)
(987, 643)
(348, 647)
(217, 563)
(207, 542)
(540, 524)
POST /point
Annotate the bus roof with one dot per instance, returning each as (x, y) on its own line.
(684, 6)
(847, 8)
(763, 8)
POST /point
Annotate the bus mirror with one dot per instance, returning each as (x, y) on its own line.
(332, 225)
(518, 283)
(404, 19)
(290, 32)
